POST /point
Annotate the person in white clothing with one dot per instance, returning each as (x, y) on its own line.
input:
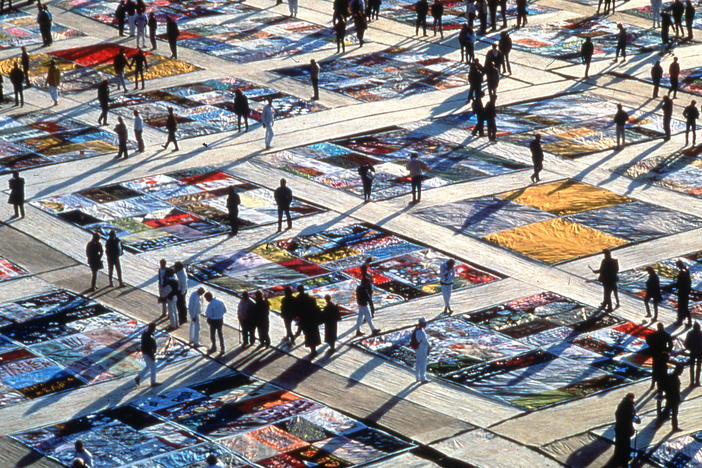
(170, 298)
(194, 311)
(83, 454)
(421, 351)
(447, 274)
(267, 121)
(215, 319)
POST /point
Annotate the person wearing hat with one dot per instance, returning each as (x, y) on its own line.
(419, 339)
(447, 275)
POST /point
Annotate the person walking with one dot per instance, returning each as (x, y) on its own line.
(656, 13)
(678, 10)
(153, 27)
(121, 16)
(340, 29)
(466, 39)
(504, 46)
(684, 285)
(421, 8)
(420, 344)
(691, 115)
(172, 128)
(653, 293)
(667, 106)
(215, 319)
(608, 276)
(437, 12)
(140, 65)
(262, 308)
(586, 51)
(182, 291)
(172, 33)
(53, 80)
(414, 166)
(170, 298)
(93, 252)
(283, 199)
(689, 18)
(537, 157)
(314, 77)
(83, 453)
(447, 274)
(656, 76)
(119, 63)
(44, 20)
(148, 353)
(241, 109)
(621, 42)
(672, 395)
(103, 95)
(16, 78)
(367, 174)
(24, 59)
(246, 314)
(625, 416)
(122, 138)
(194, 311)
(288, 310)
(139, 131)
(330, 316)
(16, 198)
(620, 119)
(267, 121)
(521, 13)
(233, 202)
(693, 345)
(491, 118)
(113, 250)
(310, 316)
(140, 22)
(674, 77)
(363, 300)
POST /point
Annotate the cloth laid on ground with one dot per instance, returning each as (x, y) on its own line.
(10, 270)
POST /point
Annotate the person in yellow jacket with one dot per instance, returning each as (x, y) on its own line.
(53, 79)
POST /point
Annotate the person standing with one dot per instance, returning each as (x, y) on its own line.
(83, 453)
(666, 23)
(139, 130)
(130, 10)
(653, 293)
(162, 270)
(586, 51)
(691, 115)
(684, 285)
(283, 199)
(292, 8)
(16, 199)
(331, 316)
(341, 11)
(215, 319)
(194, 311)
(493, 57)
(475, 80)
(492, 77)
(340, 29)
(537, 157)
(359, 23)
(504, 46)
(267, 121)
(466, 39)
(113, 250)
(656, 76)
(421, 350)
(421, 8)
(625, 416)
(44, 19)
(53, 79)
(674, 77)
(672, 395)
(447, 274)
(414, 166)
(140, 65)
(367, 279)
(120, 63)
(148, 352)
(246, 314)
(660, 344)
(437, 12)
(121, 131)
(93, 251)
(24, 58)
(103, 94)
(621, 42)
(140, 21)
(16, 78)
(503, 12)
(492, 8)
(288, 310)
(693, 345)
(521, 13)
(678, 10)
(153, 27)
(620, 119)
(667, 107)
(262, 309)
(689, 18)
(656, 13)
(310, 316)
(172, 128)
(479, 112)
(182, 291)
(608, 276)
(170, 298)
(481, 8)
(374, 6)
(233, 202)
(314, 77)
(121, 16)
(367, 173)
(491, 118)
(172, 33)
(241, 109)
(363, 300)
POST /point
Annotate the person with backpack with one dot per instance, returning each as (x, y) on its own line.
(420, 344)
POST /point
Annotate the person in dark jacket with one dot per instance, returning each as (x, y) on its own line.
(505, 47)
(693, 345)
(666, 23)
(537, 157)
(314, 78)
(671, 391)
(341, 11)
(140, 65)
(246, 313)
(674, 77)
(621, 43)
(521, 13)
(691, 115)
(233, 202)
(491, 118)
(121, 16)
(608, 276)
(262, 309)
(475, 80)
(25, 66)
(119, 64)
(153, 27)
(148, 353)
(437, 12)
(340, 29)
(684, 285)
(660, 345)
(667, 107)
(620, 119)
(586, 51)
(492, 77)
(479, 112)
(363, 300)
(44, 20)
(16, 199)
(421, 8)
(331, 316)
(121, 131)
(16, 78)
(656, 75)
(492, 8)
(360, 24)
(93, 251)
(171, 127)
(653, 293)
(172, 33)
(625, 416)
(113, 250)
(241, 109)
(103, 94)
(288, 310)
(466, 40)
(689, 18)
(309, 313)
(283, 198)
(677, 9)
(367, 174)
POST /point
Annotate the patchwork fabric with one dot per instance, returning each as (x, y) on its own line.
(335, 163)
(58, 341)
(559, 221)
(207, 107)
(10, 270)
(681, 452)
(18, 29)
(689, 81)
(42, 138)
(646, 12)
(388, 74)
(167, 209)
(532, 352)
(273, 429)
(328, 262)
